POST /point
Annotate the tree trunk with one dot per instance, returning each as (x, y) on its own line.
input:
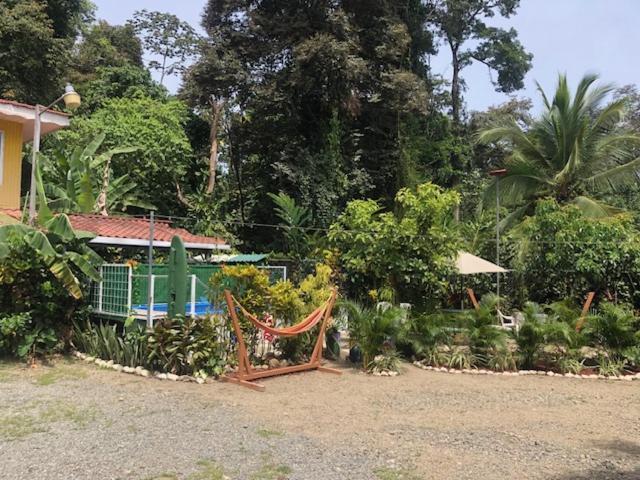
(216, 113)
(235, 164)
(101, 202)
(455, 110)
(455, 87)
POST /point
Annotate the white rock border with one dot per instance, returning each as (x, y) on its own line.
(473, 371)
(140, 371)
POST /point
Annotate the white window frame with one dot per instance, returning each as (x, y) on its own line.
(1, 157)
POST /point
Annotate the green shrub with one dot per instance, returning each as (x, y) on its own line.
(501, 360)
(610, 367)
(422, 333)
(463, 358)
(13, 329)
(631, 357)
(564, 254)
(22, 338)
(614, 327)
(187, 346)
(37, 288)
(387, 362)
(570, 364)
(409, 249)
(128, 348)
(374, 329)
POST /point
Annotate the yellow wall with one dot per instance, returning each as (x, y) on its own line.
(10, 188)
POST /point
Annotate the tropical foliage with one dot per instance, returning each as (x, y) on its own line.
(82, 181)
(573, 152)
(60, 248)
(409, 250)
(562, 254)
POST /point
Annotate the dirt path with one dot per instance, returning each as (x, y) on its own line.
(75, 421)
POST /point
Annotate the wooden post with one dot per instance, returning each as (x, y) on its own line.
(472, 296)
(585, 311)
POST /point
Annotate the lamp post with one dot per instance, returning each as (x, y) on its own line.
(497, 174)
(71, 101)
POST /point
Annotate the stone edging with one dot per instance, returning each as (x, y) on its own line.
(140, 371)
(626, 378)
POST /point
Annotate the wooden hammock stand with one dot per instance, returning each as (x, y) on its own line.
(246, 373)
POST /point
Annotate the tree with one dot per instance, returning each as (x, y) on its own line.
(577, 148)
(294, 220)
(490, 156)
(32, 54)
(461, 21)
(165, 36)
(562, 254)
(410, 251)
(157, 130)
(315, 96)
(82, 181)
(109, 83)
(105, 46)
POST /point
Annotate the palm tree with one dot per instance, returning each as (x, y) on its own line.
(575, 150)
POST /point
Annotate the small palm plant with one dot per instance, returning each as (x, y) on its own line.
(375, 330)
(422, 334)
(614, 327)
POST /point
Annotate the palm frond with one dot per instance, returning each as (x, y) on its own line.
(595, 209)
(627, 174)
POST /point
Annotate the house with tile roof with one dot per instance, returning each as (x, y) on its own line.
(16, 128)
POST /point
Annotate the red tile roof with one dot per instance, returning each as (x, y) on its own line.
(130, 228)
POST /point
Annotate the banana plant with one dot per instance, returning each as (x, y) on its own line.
(60, 247)
(83, 181)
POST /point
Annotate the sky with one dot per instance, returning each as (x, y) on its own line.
(565, 36)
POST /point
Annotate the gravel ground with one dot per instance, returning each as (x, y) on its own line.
(75, 421)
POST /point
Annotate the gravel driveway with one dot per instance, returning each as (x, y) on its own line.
(75, 421)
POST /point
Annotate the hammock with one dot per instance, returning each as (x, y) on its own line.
(303, 326)
(245, 373)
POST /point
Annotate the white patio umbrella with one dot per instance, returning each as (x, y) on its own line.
(468, 264)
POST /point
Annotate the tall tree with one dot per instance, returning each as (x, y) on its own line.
(103, 46)
(156, 128)
(35, 41)
(460, 22)
(317, 93)
(575, 150)
(167, 38)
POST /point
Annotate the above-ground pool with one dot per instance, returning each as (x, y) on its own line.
(201, 308)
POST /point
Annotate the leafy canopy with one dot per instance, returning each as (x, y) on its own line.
(156, 129)
(410, 250)
(167, 37)
(562, 254)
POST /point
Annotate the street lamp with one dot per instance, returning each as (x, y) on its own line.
(72, 101)
(497, 174)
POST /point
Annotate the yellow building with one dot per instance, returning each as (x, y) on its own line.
(16, 128)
